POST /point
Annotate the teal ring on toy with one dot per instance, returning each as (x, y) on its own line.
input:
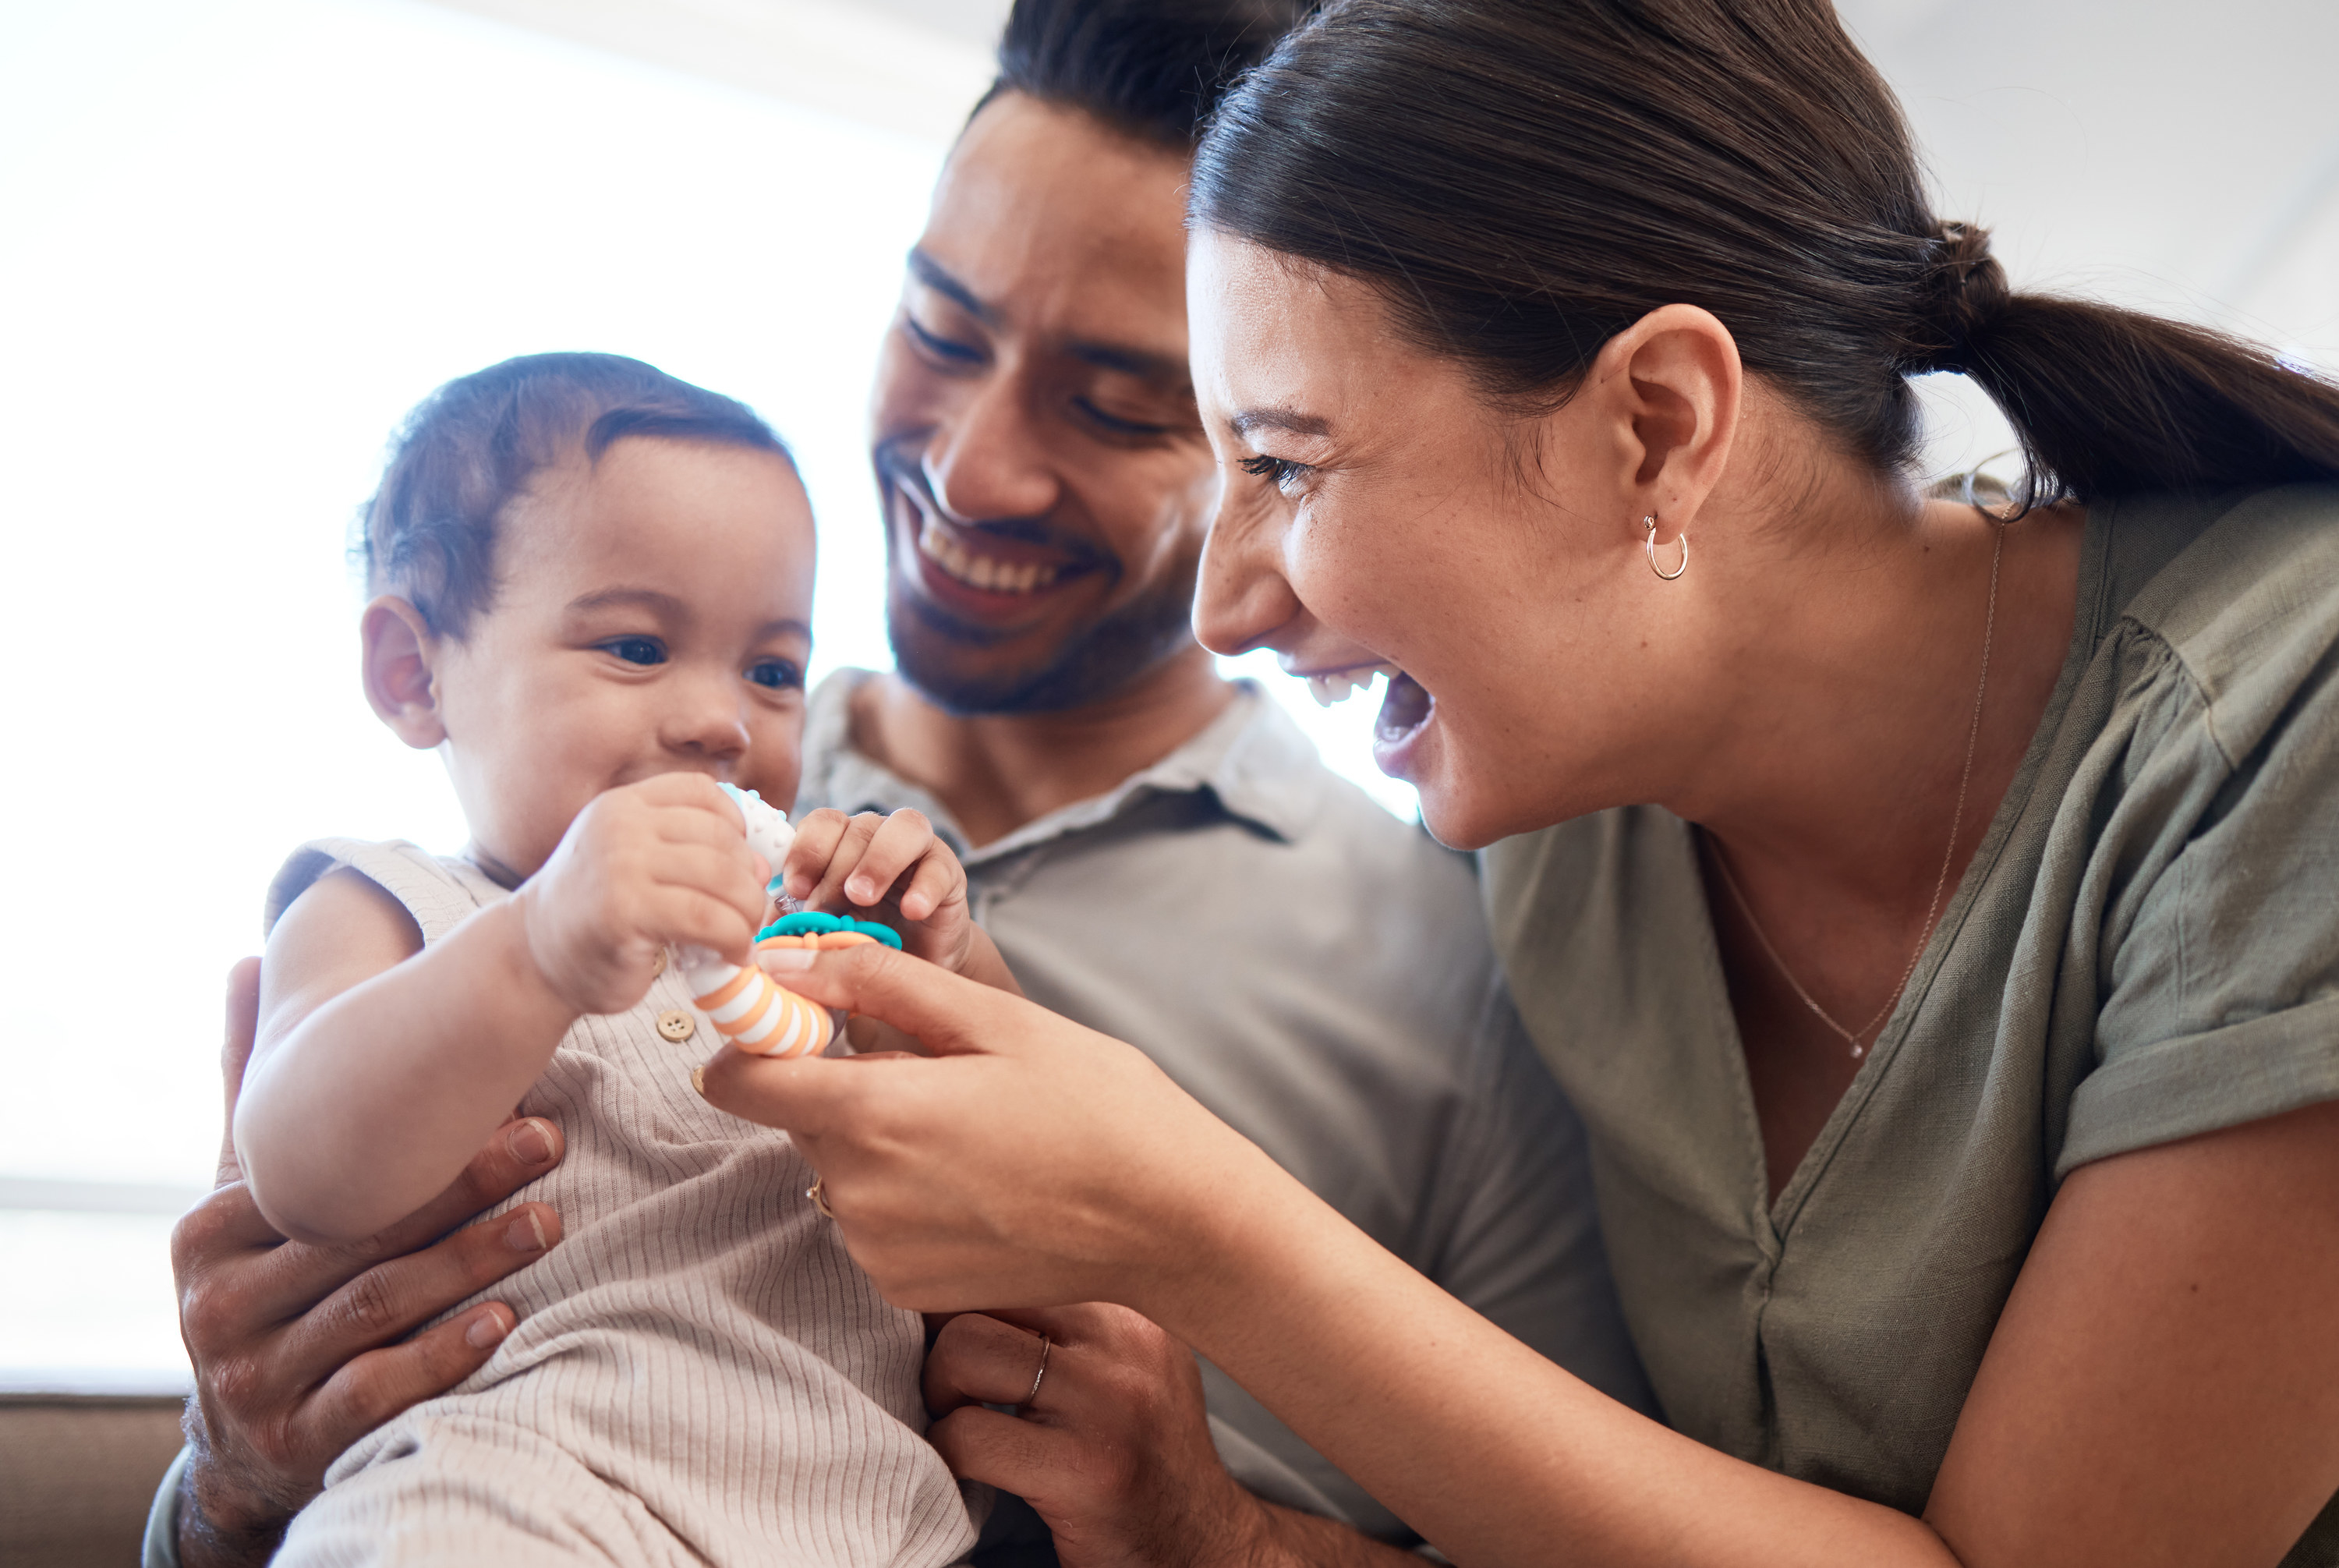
(810, 923)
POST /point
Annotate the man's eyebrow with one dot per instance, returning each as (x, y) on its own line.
(1287, 419)
(1140, 362)
(934, 276)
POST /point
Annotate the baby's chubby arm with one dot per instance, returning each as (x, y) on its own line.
(382, 1066)
(894, 865)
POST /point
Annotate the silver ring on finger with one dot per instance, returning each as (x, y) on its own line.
(1040, 1376)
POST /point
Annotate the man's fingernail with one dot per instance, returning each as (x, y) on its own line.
(528, 1144)
(526, 1233)
(698, 1080)
(859, 891)
(785, 960)
(486, 1331)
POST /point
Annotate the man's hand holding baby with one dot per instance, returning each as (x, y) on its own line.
(643, 866)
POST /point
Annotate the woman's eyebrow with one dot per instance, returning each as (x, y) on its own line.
(1289, 420)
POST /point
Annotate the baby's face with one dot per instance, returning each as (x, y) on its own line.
(653, 615)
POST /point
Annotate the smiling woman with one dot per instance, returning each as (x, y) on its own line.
(1499, 308)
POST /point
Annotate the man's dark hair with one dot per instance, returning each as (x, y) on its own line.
(1153, 69)
(470, 448)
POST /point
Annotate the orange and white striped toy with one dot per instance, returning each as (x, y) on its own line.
(751, 1010)
(757, 1014)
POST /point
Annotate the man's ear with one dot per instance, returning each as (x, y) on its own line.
(1672, 386)
(399, 682)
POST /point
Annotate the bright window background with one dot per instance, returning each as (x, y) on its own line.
(238, 240)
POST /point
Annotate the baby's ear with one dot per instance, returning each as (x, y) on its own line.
(399, 652)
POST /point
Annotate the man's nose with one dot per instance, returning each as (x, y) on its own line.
(986, 460)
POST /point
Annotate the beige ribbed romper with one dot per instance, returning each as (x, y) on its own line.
(700, 1373)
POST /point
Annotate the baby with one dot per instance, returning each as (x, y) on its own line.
(593, 588)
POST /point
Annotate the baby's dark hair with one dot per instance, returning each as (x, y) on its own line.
(470, 448)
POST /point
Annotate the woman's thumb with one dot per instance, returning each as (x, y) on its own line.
(798, 1095)
(943, 1010)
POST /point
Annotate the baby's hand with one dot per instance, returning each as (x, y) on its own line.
(893, 865)
(659, 862)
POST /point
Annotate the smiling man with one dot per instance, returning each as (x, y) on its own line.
(1159, 851)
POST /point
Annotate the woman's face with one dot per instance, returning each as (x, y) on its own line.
(1376, 511)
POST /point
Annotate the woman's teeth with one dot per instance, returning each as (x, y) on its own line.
(988, 573)
(1335, 686)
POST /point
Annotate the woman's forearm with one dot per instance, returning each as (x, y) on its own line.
(368, 1105)
(1495, 1454)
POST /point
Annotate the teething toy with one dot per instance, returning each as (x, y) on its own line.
(740, 1000)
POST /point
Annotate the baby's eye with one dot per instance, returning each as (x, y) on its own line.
(635, 650)
(778, 674)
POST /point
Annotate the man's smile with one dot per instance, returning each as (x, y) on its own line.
(989, 572)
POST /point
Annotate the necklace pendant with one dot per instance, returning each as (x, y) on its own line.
(1857, 1052)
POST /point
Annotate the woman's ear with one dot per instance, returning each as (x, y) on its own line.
(399, 651)
(1670, 387)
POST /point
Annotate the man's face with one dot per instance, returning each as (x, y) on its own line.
(1045, 481)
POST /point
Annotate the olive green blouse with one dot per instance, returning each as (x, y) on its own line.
(2145, 947)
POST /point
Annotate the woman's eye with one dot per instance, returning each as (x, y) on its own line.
(1277, 471)
(941, 348)
(778, 675)
(635, 650)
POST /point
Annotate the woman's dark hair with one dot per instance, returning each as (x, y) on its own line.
(470, 448)
(1522, 179)
(1152, 69)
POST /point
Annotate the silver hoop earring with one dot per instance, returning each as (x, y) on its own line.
(1650, 523)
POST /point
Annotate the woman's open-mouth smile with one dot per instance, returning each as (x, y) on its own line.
(1406, 708)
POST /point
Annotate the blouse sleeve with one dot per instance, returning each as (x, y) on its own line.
(2222, 960)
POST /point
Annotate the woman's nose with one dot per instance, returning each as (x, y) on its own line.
(1242, 600)
(985, 460)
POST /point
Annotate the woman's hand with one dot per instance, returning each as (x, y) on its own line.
(1028, 1162)
(1113, 1448)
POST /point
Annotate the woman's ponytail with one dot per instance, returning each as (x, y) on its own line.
(1522, 180)
(2111, 402)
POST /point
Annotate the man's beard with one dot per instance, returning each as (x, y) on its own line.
(1087, 667)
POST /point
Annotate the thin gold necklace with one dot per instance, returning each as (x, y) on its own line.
(1855, 1038)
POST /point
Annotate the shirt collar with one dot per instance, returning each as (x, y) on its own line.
(1251, 760)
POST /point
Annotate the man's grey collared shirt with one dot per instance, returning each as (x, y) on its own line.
(1318, 975)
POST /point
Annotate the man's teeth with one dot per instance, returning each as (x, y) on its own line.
(988, 573)
(1335, 686)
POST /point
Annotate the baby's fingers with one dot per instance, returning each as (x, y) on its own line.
(904, 840)
(722, 873)
(938, 882)
(843, 862)
(812, 854)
